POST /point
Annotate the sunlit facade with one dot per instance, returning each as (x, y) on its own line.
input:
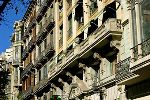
(86, 50)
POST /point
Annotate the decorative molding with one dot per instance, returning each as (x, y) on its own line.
(115, 43)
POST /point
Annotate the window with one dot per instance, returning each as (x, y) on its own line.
(60, 9)
(45, 71)
(93, 6)
(69, 25)
(39, 75)
(79, 13)
(61, 36)
(145, 19)
(109, 11)
(17, 37)
(93, 26)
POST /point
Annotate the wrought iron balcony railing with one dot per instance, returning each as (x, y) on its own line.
(145, 48)
(135, 52)
(49, 51)
(31, 45)
(32, 23)
(42, 10)
(25, 53)
(27, 70)
(40, 86)
(27, 93)
(40, 60)
(123, 70)
(49, 25)
(41, 35)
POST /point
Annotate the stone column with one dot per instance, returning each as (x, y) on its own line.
(138, 24)
(86, 14)
(130, 30)
(56, 17)
(65, 17)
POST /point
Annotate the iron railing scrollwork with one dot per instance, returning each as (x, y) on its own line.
(145, 46)
(31, 45)
(25, 53)
(27, 93)
(123, 69)
(135, 52)
(27, 70)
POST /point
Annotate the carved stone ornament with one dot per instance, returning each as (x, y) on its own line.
(115, 43)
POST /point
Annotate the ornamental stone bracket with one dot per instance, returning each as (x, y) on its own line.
(115, 43)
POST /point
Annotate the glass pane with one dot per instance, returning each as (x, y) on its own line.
(145, 11)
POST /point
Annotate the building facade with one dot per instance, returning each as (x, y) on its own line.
(17, 46)
(86, 50)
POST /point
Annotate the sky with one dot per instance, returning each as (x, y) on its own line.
(6, 27)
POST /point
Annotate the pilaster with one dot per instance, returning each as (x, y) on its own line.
(64, 25)
(56, 13)
(130, 29)
(138, 25)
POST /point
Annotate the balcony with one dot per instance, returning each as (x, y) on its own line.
(49, 25)
(27, 93)
(31, 45)
(52, 71)
(32, 23)
(24, 54)
(72, 56)
(41, 35)
(41, 87)
(40, 60)
(101, 39)
(42, 10)
(123, 73)
(49, 51)
(141, 60)
(27, 70)
(15, 62)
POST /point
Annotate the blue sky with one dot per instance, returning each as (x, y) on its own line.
(6, 27)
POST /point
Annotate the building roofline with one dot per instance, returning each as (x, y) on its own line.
(32, 2)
